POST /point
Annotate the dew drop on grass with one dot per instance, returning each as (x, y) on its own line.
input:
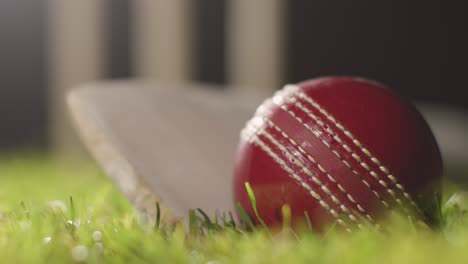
(77, 223)
(57, 206)
(97, 235)
(79, 253)
(47, 240)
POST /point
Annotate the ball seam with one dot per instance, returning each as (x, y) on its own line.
(358, 144)
(251, 136)
(375, 193)
(317, 181)
(326, 173)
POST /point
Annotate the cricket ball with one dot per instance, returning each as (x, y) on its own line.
(338, 150)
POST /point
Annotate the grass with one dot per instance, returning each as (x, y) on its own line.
(55, 211)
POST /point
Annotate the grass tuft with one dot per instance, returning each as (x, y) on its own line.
(58, 212)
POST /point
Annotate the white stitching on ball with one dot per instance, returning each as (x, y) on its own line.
(358, 144)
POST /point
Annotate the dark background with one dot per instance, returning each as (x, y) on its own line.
(23, 73)
(417, 47)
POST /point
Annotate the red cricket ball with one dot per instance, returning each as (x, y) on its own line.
(341, 150)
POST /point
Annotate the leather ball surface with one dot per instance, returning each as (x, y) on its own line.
(341, 150)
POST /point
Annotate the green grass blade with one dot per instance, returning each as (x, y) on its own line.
(245, 218)
(253, 201)
(286, 213)
(206, 220)
(193, 222)
(231, 220)
(309, 224)
(158, 217)
(72, 209)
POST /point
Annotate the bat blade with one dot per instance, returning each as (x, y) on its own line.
(168, 143)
